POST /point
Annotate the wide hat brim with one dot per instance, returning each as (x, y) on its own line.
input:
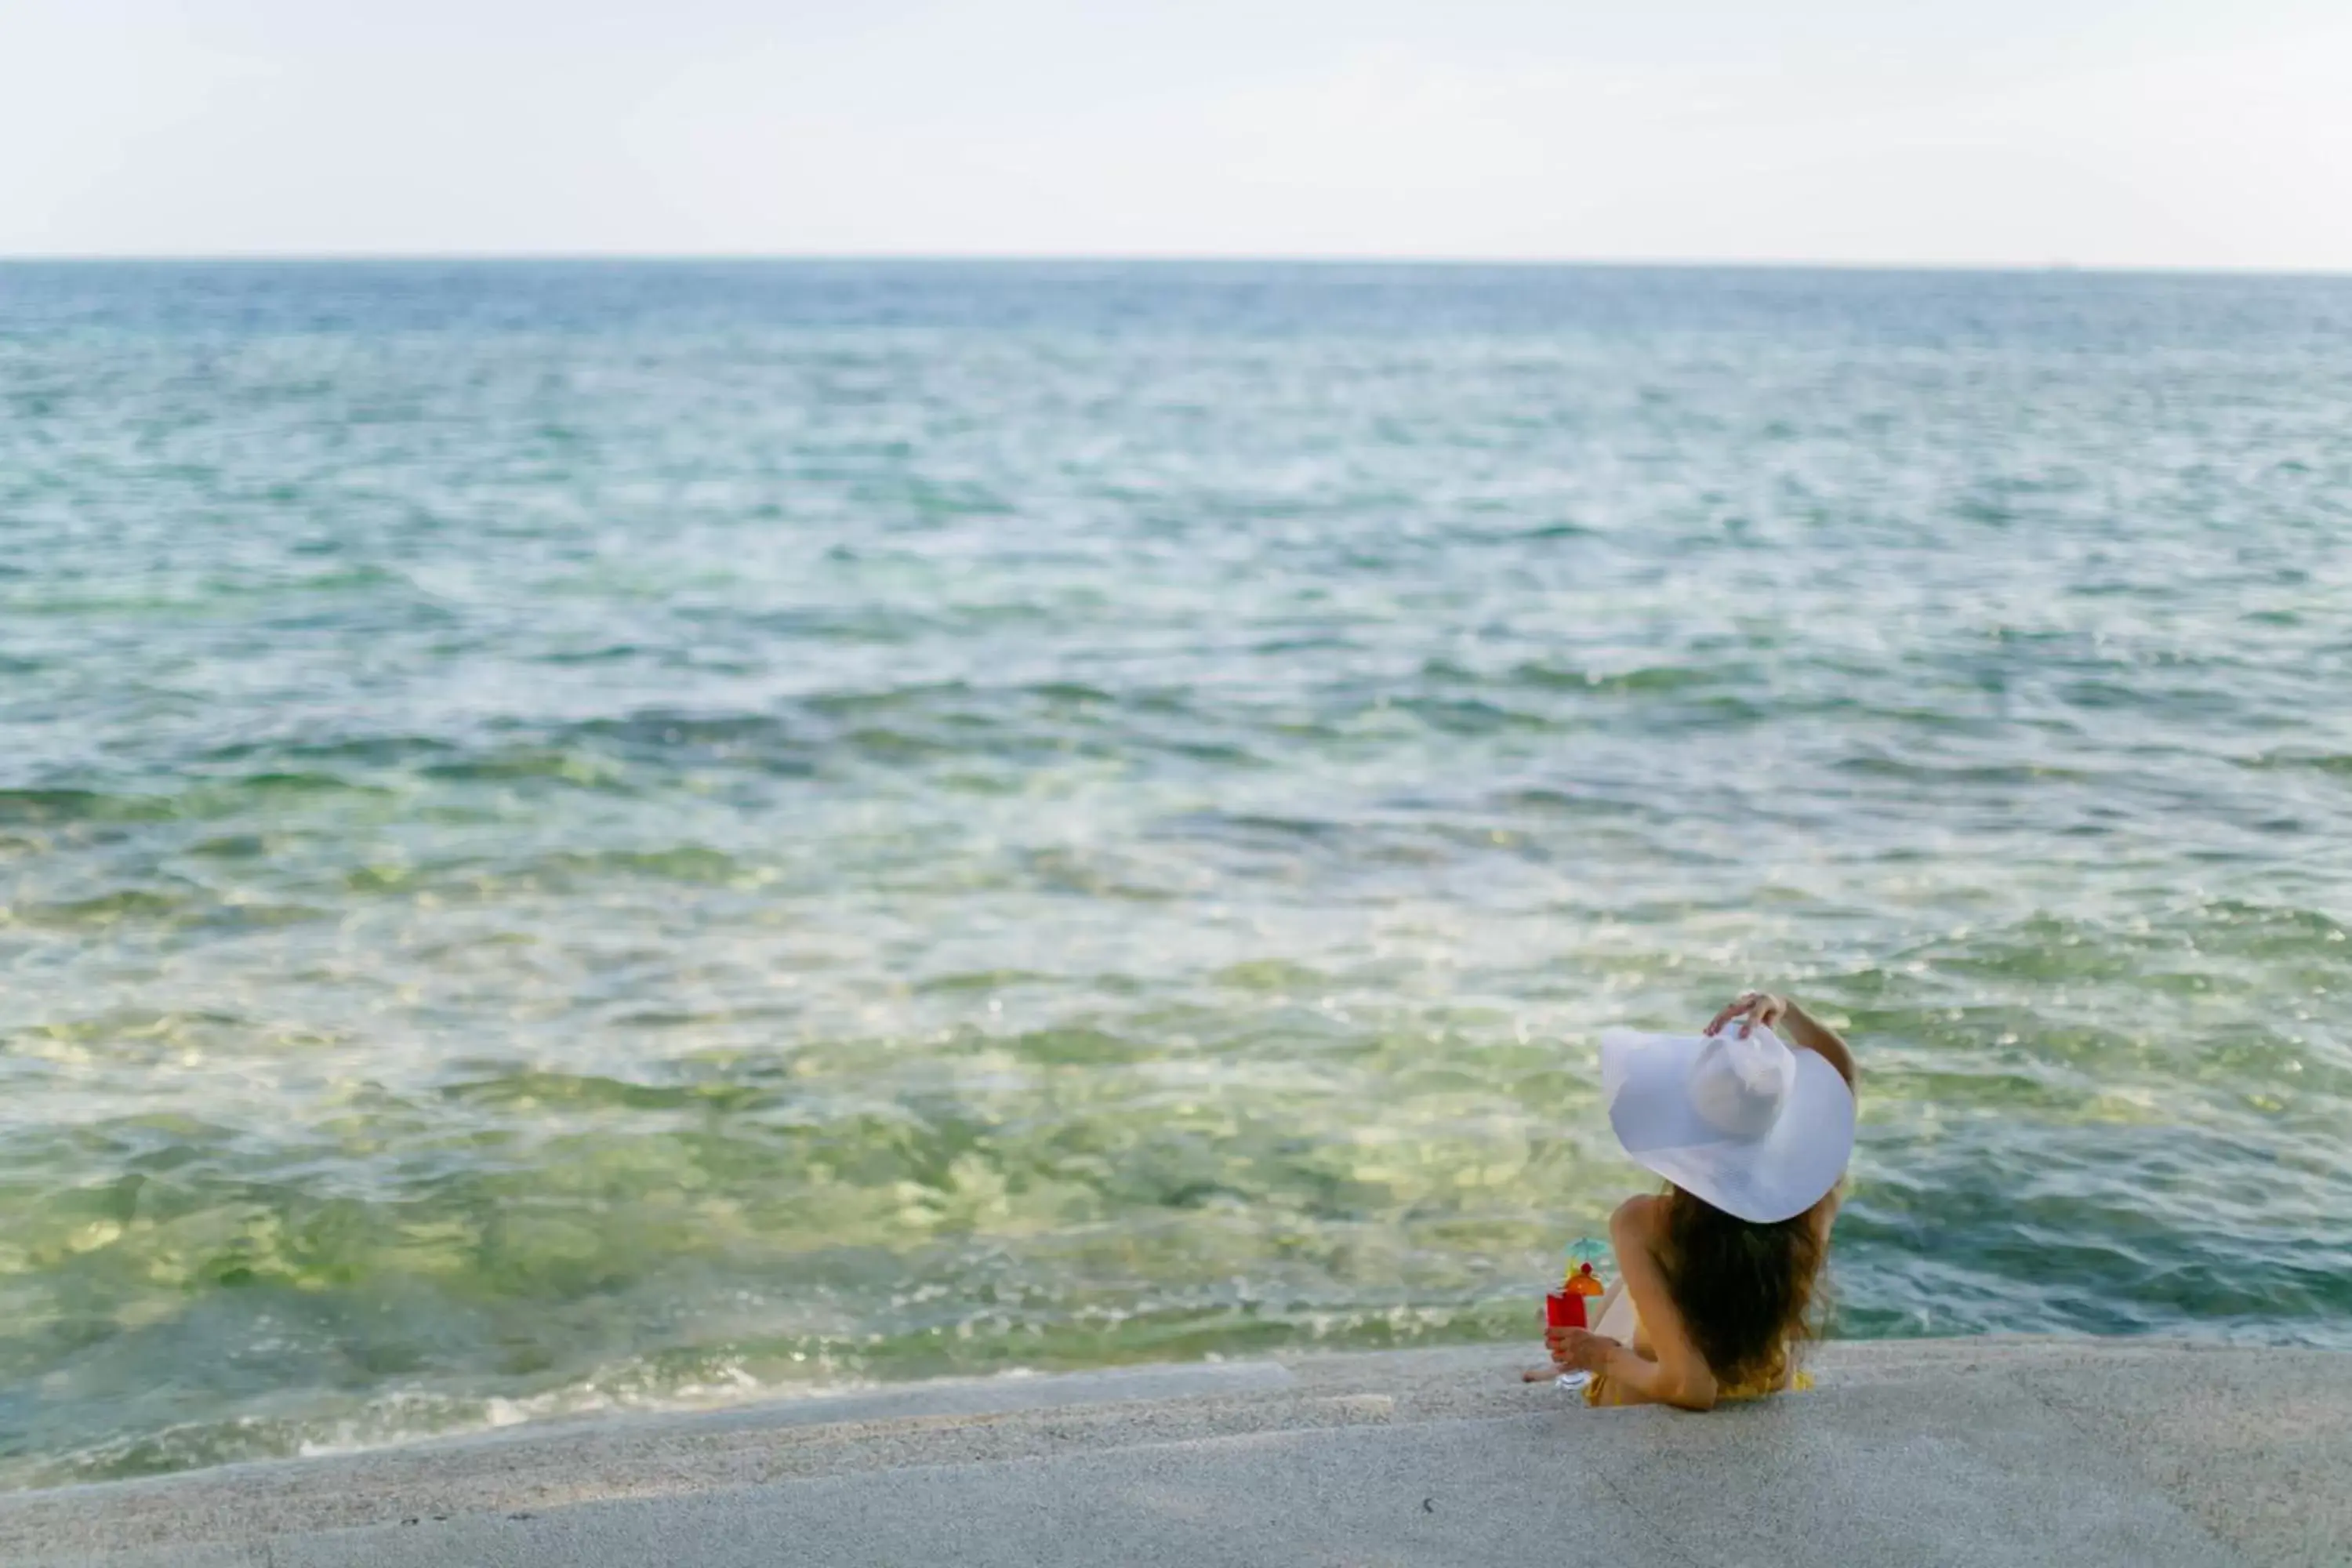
(1781, 1174)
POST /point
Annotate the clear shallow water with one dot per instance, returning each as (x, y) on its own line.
(590, 835)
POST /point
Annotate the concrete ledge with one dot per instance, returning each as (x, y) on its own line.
(1986, 1452)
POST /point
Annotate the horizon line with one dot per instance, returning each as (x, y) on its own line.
(1149, 259)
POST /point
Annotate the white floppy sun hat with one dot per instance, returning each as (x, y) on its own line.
(1741, 1121)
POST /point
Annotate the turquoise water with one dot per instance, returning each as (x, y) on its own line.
(604, 835)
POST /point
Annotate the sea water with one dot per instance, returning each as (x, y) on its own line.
(592, 835)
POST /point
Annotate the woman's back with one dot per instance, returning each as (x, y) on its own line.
(1759, 1363)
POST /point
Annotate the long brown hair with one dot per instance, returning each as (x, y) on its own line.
(1744, 1290)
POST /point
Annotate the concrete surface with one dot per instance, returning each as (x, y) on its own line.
(1986, 1452)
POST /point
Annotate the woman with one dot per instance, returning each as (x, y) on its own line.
(1715, 1275)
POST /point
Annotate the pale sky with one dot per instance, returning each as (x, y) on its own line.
(2096, 132)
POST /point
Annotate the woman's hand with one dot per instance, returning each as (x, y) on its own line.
(1752, 1007)
(1581, 1349)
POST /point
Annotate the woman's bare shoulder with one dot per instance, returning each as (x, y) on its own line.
(1640, 1214)
(1825, 1212)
